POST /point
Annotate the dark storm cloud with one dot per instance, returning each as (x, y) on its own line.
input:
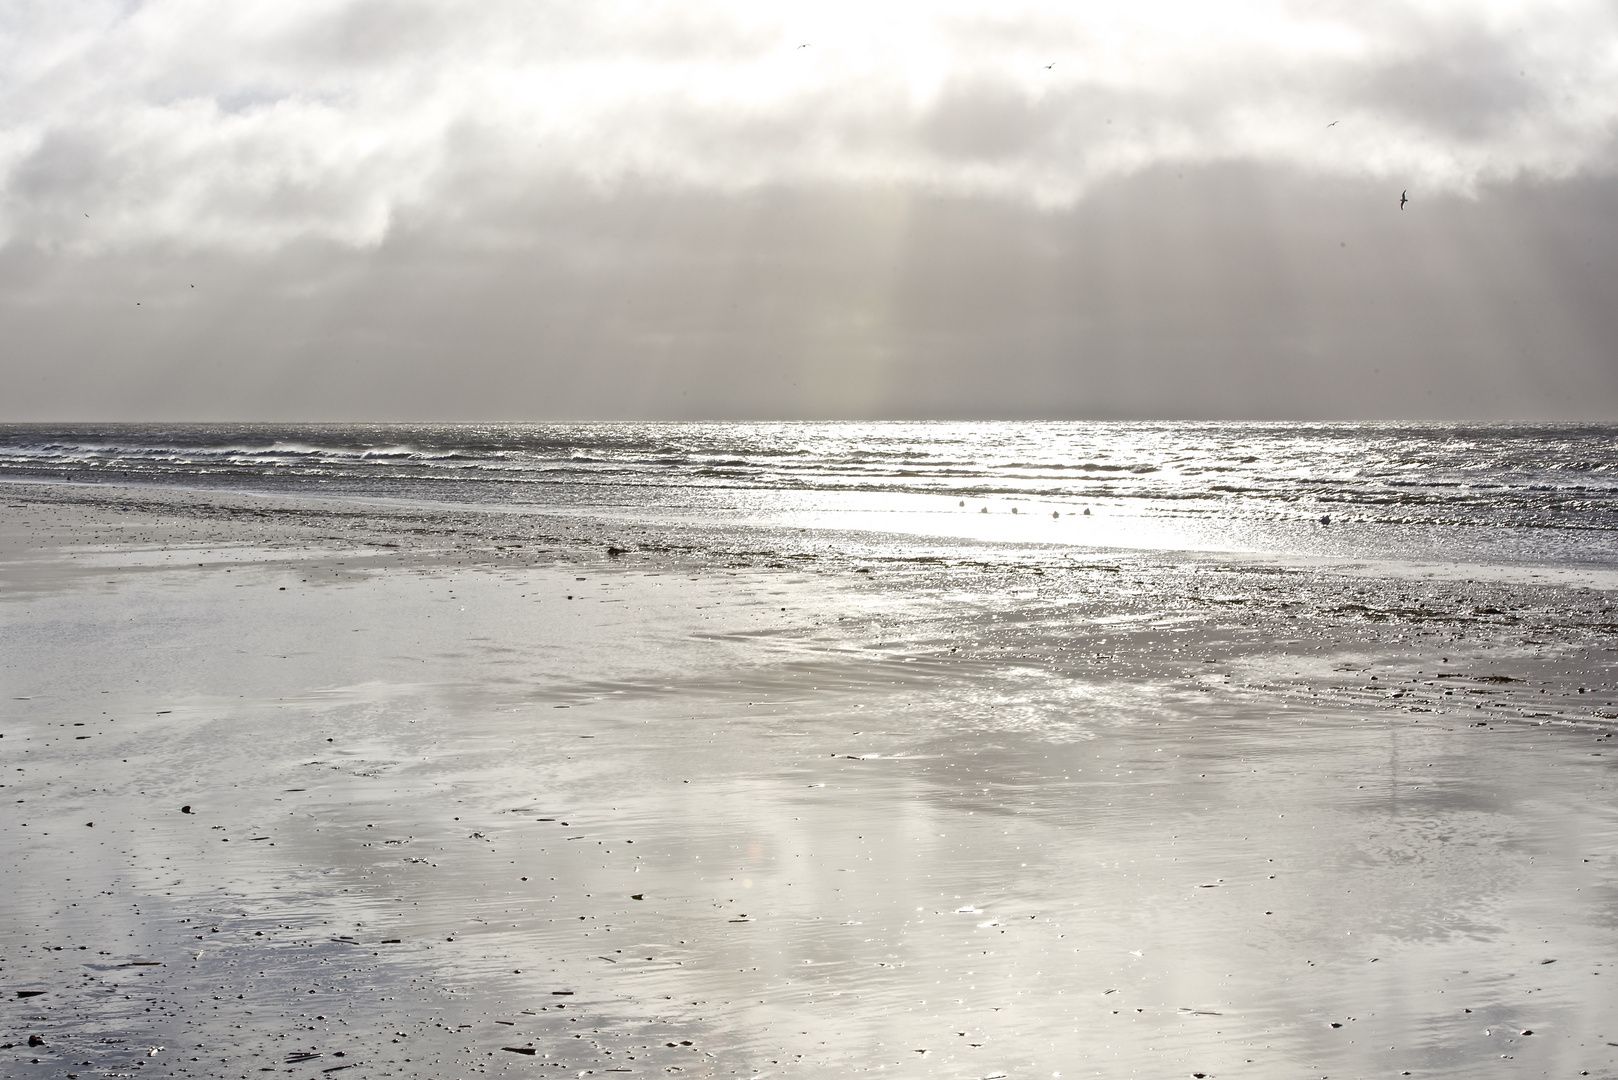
(1234, 292)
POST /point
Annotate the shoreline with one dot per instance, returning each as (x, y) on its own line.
(1040, 808)
(719, 537)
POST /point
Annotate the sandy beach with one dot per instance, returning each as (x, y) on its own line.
(367, 790)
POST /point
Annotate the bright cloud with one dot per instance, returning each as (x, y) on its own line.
(252, 125)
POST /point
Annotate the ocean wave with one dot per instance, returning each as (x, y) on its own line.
(1514, 477)
(1141, 468)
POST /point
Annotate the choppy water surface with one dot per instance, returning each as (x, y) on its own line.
(1524, 495)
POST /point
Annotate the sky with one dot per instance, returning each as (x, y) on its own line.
(422, 210)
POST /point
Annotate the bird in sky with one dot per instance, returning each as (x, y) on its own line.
(1404, 197)
(1050, 65)
(805, 45)
(1334, 123)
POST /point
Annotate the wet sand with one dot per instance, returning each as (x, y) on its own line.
(326, 790)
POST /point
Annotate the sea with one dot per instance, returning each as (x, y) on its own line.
(1503, 495)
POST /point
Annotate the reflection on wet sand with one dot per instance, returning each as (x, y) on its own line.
(451, 817)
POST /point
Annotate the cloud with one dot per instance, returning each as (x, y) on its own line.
(253, 125)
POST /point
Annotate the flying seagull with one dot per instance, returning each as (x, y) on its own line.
(1404, 197)
(1334, 123)
(1050, 65)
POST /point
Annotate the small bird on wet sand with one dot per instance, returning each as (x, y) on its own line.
(1404, 197)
